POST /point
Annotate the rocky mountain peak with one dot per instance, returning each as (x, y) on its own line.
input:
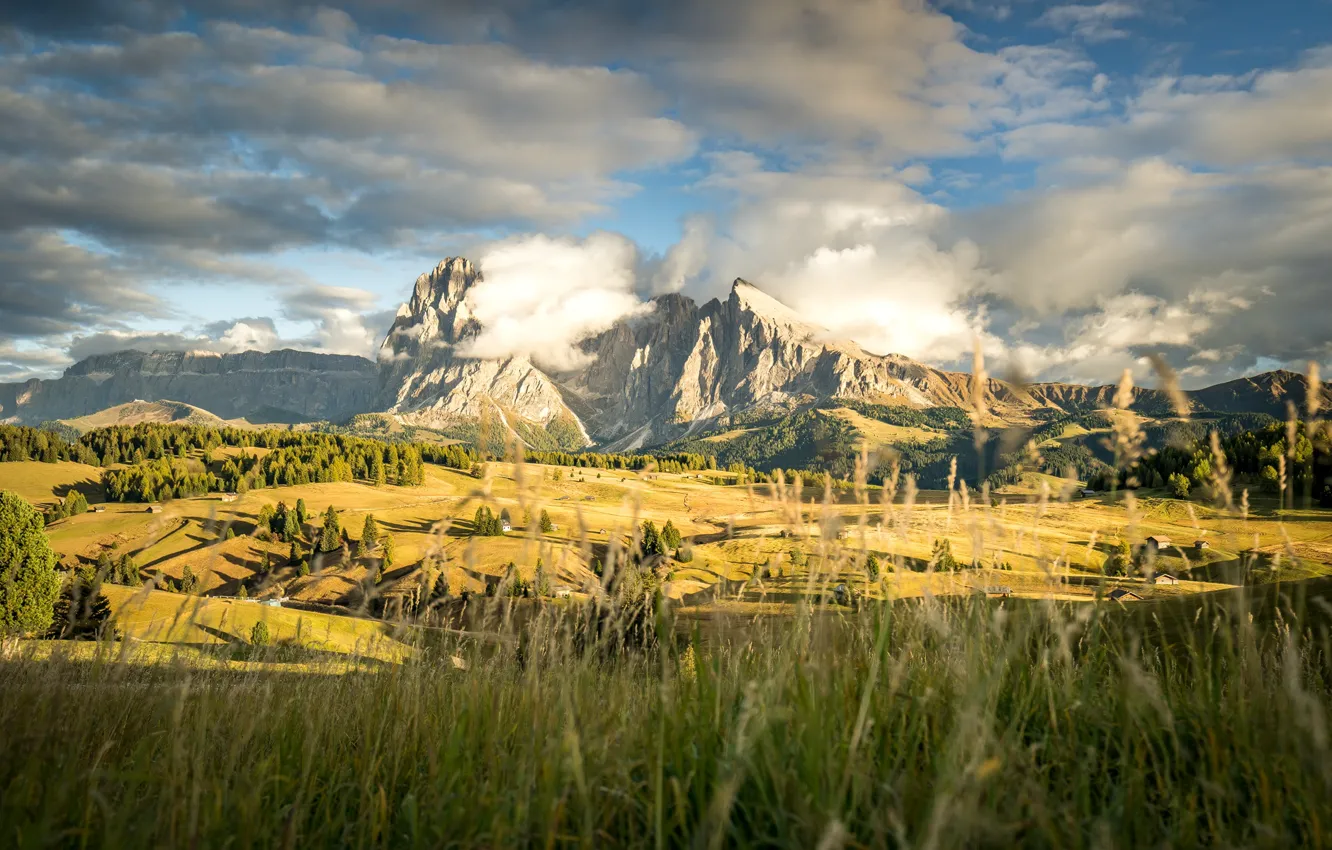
(747, 300)
(438, 312)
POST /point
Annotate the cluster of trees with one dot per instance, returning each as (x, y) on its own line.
(122, 570)
(666, 461)
(19, 443)
(303, 458)
(938, 418)
(1256, 454)
(73, 504)
(653, 542)
(157, 480)
(486, 524)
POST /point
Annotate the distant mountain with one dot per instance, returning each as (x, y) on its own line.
(669, 375)
(263, 387)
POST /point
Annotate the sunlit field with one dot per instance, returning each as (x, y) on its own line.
(837, 666)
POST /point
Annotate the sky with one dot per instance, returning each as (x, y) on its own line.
(1073, 186)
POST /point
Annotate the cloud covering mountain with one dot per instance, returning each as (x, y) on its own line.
(1076, 185)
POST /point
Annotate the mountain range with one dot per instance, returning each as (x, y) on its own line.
(677, 371)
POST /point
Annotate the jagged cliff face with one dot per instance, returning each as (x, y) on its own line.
(682, 365)
(647, 380)
(426, 381)
(275, 386)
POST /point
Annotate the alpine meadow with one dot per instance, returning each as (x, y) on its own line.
(390, 455)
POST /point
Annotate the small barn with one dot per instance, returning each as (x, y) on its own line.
(1201, 544)
(1120, 594)
(230, 497)
(1157, 542)
(1088, 493)
(99, 509)
(505, 525)
(998, 590)
(1165, 578)
(154, 509)
(563, 591)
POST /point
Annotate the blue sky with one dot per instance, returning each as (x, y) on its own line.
(1072, 185)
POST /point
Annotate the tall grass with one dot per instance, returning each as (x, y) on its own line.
(925, 724)
(931, 723)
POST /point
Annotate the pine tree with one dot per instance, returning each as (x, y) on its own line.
(331, 537)
(369, 533)
(386, 556)
(81, 611)
(242, 592)
(291, 530)
(540, 581)
(377, 474)
(126, 571)
(872, 566)
(651, 544)
(301, 513)
(259, 635)
(670, 536)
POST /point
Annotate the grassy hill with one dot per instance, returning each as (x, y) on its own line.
(161, 412)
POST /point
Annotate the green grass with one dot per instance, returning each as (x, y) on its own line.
(918, 724)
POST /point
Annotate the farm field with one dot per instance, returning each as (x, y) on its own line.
(759, 547)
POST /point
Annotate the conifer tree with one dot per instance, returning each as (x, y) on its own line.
(651, 543)
(331, 537)
(670, 536)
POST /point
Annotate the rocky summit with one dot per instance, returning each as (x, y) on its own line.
(646, 381)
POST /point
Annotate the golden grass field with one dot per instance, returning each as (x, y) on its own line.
(1050, 547)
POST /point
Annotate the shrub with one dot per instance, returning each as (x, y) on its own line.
(259, 634)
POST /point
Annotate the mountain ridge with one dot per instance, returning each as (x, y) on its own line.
(646, 381)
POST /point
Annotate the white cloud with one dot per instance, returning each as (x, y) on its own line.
(1264, 117)
(541, 296)
(248, 336)
(851, 252)
(1093, 22)
(685, 259)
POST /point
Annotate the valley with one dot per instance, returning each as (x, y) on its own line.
(750, 545)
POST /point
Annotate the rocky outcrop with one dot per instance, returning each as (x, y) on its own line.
(274, 386)
(655, 378)
(428, 382)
